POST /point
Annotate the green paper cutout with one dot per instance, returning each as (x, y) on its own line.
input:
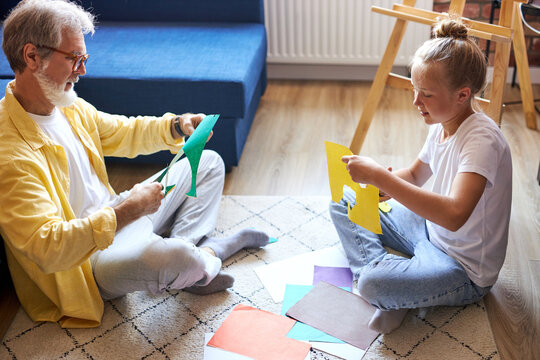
(193, 149)
(162, 175)
(169, 188)
(166, 170)
(194, 146)
(272, 240)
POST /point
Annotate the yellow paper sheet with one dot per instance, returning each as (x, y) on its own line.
(366, 211)
(384, 206)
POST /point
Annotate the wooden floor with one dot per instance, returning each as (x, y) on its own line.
(284, 155)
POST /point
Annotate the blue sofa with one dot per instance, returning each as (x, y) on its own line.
(151, 57)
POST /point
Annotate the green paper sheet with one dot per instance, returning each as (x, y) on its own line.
(193, 149)
(169, 188)
(162, 175)
(194, 146)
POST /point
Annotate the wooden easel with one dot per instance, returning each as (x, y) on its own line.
(509, 23)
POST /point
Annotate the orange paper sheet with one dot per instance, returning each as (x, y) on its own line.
(258, 334)
(366, 211)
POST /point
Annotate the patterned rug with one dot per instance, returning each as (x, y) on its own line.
(173, 325)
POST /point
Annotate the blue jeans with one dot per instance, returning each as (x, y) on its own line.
(429, 278)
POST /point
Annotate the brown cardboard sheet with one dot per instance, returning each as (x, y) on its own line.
(336, 312)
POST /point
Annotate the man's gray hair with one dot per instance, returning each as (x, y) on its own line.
(41, 22)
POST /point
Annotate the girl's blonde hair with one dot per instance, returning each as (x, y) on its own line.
(464, 63)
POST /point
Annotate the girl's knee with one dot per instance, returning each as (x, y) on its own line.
(336, 209)
(374, 287)
(368, 287)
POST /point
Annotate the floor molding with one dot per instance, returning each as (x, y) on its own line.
(354, 72)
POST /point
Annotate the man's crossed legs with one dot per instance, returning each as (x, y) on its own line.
(170, 249)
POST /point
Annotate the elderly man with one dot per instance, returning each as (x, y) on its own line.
(70, 240)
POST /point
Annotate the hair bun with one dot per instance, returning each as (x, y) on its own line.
(450, 28)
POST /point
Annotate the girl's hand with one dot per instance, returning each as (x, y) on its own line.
(362, 169)
(382, 194)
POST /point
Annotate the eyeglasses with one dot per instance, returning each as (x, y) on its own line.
(77, 59)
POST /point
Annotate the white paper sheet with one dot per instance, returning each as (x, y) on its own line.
(298, 270)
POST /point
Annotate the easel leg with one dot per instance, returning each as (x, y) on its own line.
(522, 64)
(500, 66)
(379, 83)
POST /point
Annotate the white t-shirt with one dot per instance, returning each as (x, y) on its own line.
(87, 193)
(478, 146)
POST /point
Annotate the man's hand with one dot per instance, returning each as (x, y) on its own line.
(188, 123)
(362, 169)
(144, 199)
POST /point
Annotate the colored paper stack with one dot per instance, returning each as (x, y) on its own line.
(315, 289)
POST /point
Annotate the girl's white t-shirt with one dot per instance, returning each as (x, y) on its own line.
(87, 194)
(478, 146)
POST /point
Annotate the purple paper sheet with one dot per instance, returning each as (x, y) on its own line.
(338, 276)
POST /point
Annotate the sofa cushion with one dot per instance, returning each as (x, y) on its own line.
(150, 69)
(178, 10)
(135, 67)
(167, 10)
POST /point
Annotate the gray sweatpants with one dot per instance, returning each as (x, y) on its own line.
(159, 251)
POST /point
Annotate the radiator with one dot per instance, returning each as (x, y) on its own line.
(341, 32)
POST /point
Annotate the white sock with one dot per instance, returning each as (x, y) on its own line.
(246, 238)
(386, 321)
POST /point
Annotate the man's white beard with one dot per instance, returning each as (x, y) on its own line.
(55, 93)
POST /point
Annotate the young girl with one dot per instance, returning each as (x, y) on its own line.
(456, 233)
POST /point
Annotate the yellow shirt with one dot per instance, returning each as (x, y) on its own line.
(48, 249)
